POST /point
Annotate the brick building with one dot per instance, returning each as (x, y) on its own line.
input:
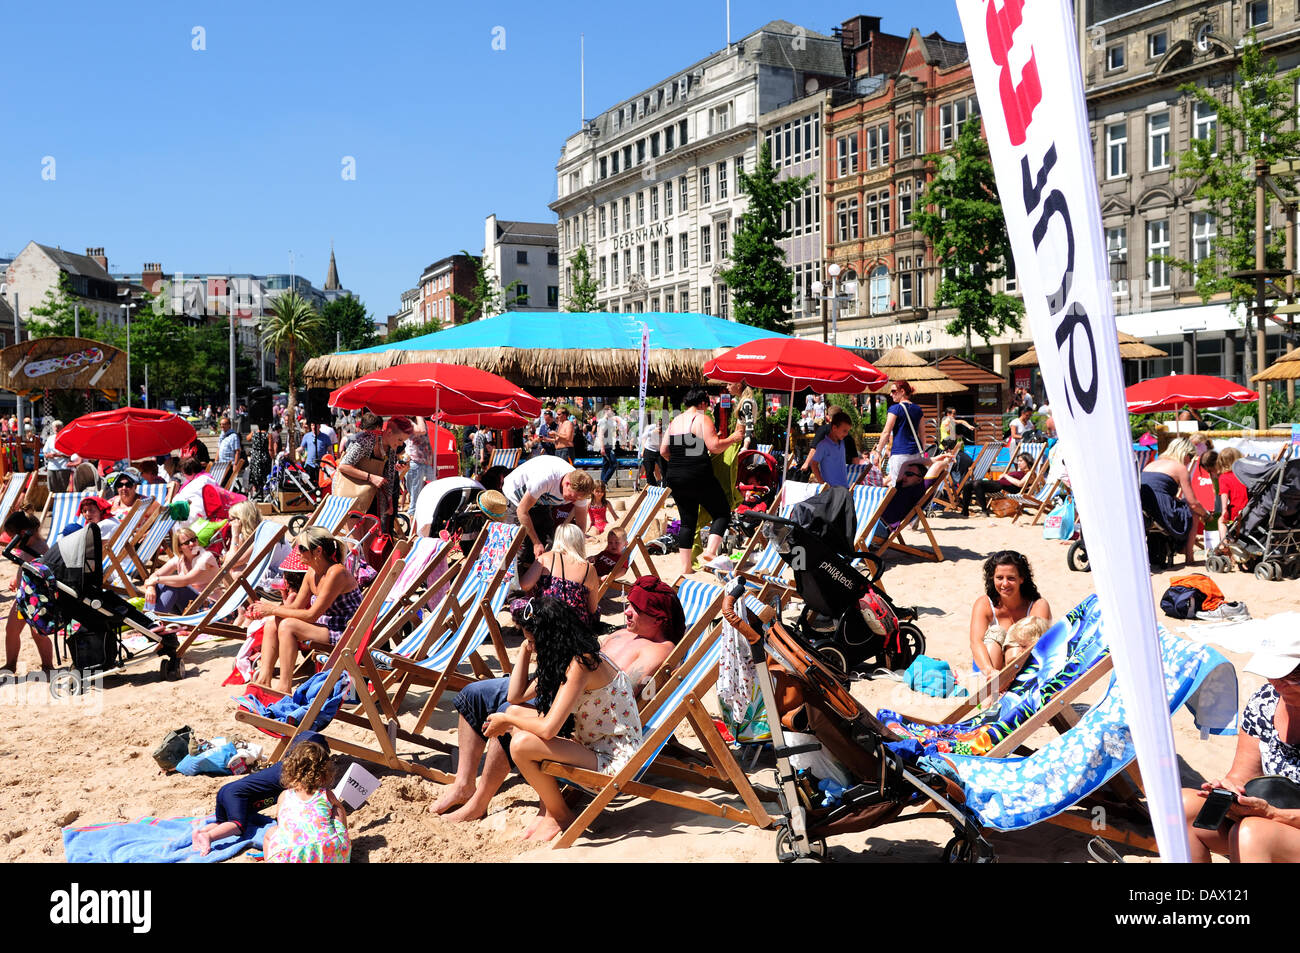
(453, 275)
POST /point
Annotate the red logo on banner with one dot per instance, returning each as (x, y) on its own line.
(1018, 102)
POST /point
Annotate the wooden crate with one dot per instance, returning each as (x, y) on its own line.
(284, 504)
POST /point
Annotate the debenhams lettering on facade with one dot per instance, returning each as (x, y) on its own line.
(641, 235)
(887, 339)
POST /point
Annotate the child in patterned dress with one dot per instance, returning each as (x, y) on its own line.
(311, 825)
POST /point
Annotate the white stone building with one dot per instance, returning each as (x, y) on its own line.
(650, 185)
(524, 252)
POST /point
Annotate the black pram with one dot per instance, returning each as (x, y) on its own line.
(63, 596)
(1265, 536)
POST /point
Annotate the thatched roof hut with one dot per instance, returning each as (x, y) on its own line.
(548, 352)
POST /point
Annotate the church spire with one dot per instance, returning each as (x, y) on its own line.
(332, 278)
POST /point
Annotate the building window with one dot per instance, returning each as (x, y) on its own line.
(604, 270)
(918, 130)
(681, 192)
(613, 218)
(719, 119)
(706, 300)
(1205, 124)
(1158, 245)
(706, 246)
(723, 302)
(613, 263)
(613, 162)
(905, 203)
(668, 302)
(654, 263)
(553, 258)
(705, 191)
(684, 249)
(640, 151)
(627, 263)
(668, 138)
(722, 179)
(873, 215)
(521, 294)
(521, 257)
(668, 254)
(1158, 141)
(627, 212)
(604, 167)
(904, 139)
(1157, 44)
(654, 305)
(552, 296)
(846, 154)
(1115, 57)
(654, 145)
(846, 220)
(640, 260)
(1202, 235)
(1116, 150)
(686, 300)
(668, 199)
(1009, 266)
(879, 290)
(1256, 13)
(640, 208)
(878, 146)
(681, 133)
(601, 219)
(905, 299)
(722, 242)
(1117, 253)
(654, 204)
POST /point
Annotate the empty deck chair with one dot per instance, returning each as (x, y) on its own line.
(15, 485)
(508, 457)
(949, 495)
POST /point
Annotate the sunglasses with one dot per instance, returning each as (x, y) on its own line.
(189, 542)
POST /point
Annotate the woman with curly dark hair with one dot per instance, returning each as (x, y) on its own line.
(1010, 597)
(573, 678)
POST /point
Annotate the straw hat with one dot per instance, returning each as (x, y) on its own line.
(493, 505)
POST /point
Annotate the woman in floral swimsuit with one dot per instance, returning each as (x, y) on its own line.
(573, 678)
(319, 613)
(563, 573)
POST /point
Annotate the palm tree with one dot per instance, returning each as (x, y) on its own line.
(290, 328)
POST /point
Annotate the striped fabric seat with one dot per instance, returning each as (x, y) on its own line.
(117, 548)
(154, 491)
(868, 501)
(158, 534)
(696, 597)
(12, 489)
(505, 458)
(237, 595)
(764, 448)
(63, 510)
(220, 472)
(856, 472)
(333, 510)
(637, 521)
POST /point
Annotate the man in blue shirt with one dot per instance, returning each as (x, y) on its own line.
(228, 450)
(829, 464)
(314, 446)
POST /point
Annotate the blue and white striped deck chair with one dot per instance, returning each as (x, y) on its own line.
(508, 457)
(237, 589)
(431, 655)
(154, 491)
(766, 568)
(856, 472)
(141, 554)
(1035, 501)
(407, 596)
(62, 508)
(868, 504)
(764, 448)
(1141, 457)
(678, 701)
(641, 513)
(118, 551)
(701, 602)
(331, 513)
(13, 489)
(949, 495)
(220, 473)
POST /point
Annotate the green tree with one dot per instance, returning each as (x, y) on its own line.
(290, 328)
(584, 285)
(56, 316)
(961, 215)
(487, 297)
(1252, 123)
(346, 322)
(760, 285)
(405, 332)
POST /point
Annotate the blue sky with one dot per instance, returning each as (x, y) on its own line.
(225, 159)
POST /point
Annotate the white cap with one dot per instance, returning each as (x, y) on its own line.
(1277, 657)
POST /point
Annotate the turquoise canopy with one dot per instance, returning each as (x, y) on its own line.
(545, 351)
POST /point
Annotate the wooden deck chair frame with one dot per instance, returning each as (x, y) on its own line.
(143, 550)
(72, 499)
(119, 548)
(454, 617)
(505, 457)
(655, 498)
(372, 713)
(894, 537)
(251, 553)
(16, 487)
(951, 500)
(694, 630)
(719, 772)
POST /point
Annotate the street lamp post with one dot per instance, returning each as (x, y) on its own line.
(18, 336)
(126, 311)
(834, 298)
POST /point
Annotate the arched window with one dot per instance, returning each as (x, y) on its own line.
(879, 290)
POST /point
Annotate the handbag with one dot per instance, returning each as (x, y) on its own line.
(1003, 507)
(363, 493)
(1059, 523)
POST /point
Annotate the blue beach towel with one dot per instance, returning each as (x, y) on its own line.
(292, 708)
(154, 840)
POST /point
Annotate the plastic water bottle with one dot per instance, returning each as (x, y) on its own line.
(149, 607)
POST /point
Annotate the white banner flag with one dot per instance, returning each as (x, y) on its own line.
(644, 377)
(1024, 58)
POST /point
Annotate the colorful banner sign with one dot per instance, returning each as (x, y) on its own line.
(62, 363)
(1024, 59)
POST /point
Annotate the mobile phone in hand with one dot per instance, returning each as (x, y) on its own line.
(1215, 809)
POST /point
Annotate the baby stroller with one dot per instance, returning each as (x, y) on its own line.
(1161, 547)
(846, 619)
(66, 599)
(1265, 536)
(290, 486)
(813, 701)
(757, 482)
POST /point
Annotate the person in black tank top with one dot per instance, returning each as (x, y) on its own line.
(686, 445)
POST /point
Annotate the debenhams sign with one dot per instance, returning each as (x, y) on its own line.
(641, 235)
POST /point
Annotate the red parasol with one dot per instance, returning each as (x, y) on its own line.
(125, 434)
(793, 364)
(1177, 391)
(496, 420)
(432, 388)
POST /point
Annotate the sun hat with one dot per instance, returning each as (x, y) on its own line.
(1277, 657)
(654, 597)
(103, 504)
(293, 562)
(123, 475)
(493, 505)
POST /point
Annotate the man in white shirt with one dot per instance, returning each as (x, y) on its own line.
(650, 459)
(536, 487)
